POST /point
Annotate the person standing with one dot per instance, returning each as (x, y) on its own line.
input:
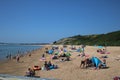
(18, 58)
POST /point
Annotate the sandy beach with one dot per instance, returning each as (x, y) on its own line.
(68, 70)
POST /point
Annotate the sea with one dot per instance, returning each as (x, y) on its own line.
(13, 50)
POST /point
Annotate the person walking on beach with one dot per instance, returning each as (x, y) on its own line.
(46, 65)
(43, 55)
(83, 49)
(18, 58)
(29, 54)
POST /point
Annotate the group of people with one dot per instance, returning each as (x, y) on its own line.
(102, 51)
(57, 53)
(49, 65)
(87, 62)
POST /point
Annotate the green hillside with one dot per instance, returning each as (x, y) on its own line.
(109, 39)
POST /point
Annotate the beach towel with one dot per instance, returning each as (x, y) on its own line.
(42, 59)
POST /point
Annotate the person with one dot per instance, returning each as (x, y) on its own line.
(46, 65)
(67, 58)
(55, 66)
(88, 62)
(9, 56)
(82, 63)
(30, 72)
(63, 55)
(29, 54)
(43, 55)
(18, 58)
(103, 63)
(103, 51)
(49, 64)
(55, 57)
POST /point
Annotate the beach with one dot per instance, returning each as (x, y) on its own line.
(68, 70)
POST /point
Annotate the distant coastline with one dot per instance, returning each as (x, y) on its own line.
(24, 43)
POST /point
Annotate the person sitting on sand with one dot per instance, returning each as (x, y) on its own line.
(103, 51)
(62, 55)
(55, 57)
(99, 50)
(49, 64)
(103, 64)
(30, 72)
(67, 58)
(88, 62)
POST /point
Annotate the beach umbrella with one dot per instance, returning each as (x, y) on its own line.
(68, 54)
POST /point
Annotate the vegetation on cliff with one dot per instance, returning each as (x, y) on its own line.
(109, 39)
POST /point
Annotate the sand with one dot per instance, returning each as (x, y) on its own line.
(68, 70)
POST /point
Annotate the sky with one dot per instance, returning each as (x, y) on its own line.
(46, 21)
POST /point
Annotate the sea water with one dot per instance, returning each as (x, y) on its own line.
(13, 50)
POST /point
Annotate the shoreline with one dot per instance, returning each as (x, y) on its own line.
(28, 52)
(21, 52)
(25, 59)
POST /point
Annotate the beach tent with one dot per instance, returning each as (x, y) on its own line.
(99, 47)
(96, 61)
(68, 54)
(56, 53)
(50, 51)
(80, 50)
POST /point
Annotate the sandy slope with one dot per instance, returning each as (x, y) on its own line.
(67, 70)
